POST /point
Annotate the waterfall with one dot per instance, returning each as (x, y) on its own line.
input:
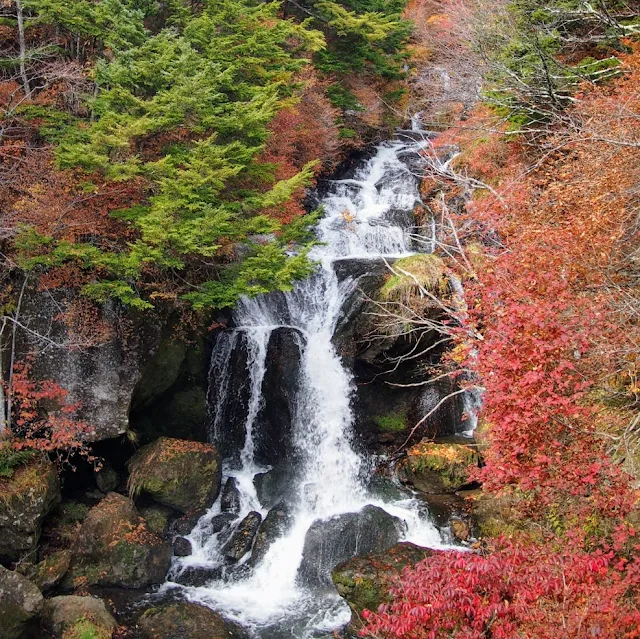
(329, 473)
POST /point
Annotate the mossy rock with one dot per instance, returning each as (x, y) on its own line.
(410, 274)
(181, 474)
(25, 500)
(158, 518)
(437, 468)
(114, 547)
(49, 573)
(364, 582)
(20, 603)
(73, 617)
(391, 423)
(183, 619)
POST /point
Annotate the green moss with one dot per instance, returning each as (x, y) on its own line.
(393, 422)
(425, 271)
(85, 629)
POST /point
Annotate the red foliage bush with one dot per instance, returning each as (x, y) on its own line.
(521, 589)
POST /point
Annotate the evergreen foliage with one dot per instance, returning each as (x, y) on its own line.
(186, 110)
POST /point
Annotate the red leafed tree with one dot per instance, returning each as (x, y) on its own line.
(554, 301)
(42, 417)
(301, 134)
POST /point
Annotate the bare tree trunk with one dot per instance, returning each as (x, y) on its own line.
(23, 50)
(3, 395)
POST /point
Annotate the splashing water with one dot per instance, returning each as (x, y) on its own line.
(330, 474)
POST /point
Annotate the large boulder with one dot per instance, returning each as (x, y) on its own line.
(184, 619)
(438, 468)
(114, 547)
(25, 500)
(364, 582)
(181, 474)
(74, 617)
(20, 603)
(330, 541)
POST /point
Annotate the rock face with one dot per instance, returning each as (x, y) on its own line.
(328, 542)
(26, 498)
(78, 617)
(437, 468)
(101, 378)
(242, 538)
(229, 391)
(183, 619)
(384, 356)
(183, 475)
(20, 602)
(115, 548)
(364, 582)
(276, 523)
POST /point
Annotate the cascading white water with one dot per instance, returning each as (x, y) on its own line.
(357, 224)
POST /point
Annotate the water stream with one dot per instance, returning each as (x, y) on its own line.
(331, 477)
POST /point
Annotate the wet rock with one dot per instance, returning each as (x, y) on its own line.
(20, 603)
(184, 619)
(107, 479)
(275, 524)
(437, 468)
(50, 572)
(272, 486)
(182, 547)
(114, 547)
(273, 438)
(229, 391)
(330, 541)
(75, 617)
(242, 538)
(230, 499)
(26, 498)
(364, 581)
(157, 519)
(183, 475)
(197, 576)
(221, 522)
(186, 524)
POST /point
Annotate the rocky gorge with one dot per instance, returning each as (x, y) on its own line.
(270, 452)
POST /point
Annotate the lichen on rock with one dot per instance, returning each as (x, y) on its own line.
(25, 500)
(20, 603)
